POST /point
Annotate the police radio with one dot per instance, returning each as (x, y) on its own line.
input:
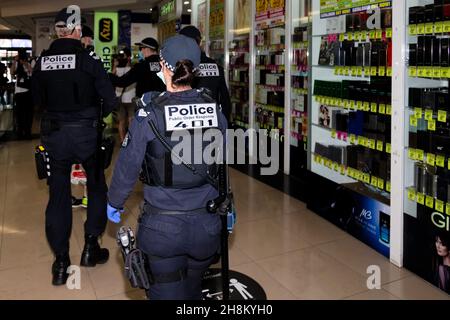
(42, 162)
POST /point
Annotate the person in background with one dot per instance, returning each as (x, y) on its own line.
(22, 70)
(441, 261)
(122, 65)
(3, 82)
(210, 75)
(144, 73)
(87, 38)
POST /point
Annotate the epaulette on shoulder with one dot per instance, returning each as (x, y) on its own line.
(145, 104)
(93, 55)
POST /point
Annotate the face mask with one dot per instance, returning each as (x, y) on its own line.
(141, 56)
(161, 76)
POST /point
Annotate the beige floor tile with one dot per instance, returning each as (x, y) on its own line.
(312, 274)
(415, 288)
(33, 281)
(132, 295)
(236, 255)
(373, 295)
(274, 290)
(359, 256)
(21, 248)
(264, 238)
(21, 152)
(4, 152)
(109, 279)
(310, 227)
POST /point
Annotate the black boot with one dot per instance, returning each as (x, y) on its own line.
(59, 269)
(92, 253)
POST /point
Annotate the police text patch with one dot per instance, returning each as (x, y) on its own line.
(59, 62)
(155, 66)
(208, 70)
(191, 116)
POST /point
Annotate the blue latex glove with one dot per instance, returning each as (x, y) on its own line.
(113, 213)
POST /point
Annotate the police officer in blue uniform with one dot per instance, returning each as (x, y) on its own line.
(68, 83)
(177, 234)
(144, 73)
(211, 75)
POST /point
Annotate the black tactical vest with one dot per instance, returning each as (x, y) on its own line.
(158, 168)
(66, 87)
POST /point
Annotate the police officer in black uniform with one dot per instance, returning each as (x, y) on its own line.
(210, 75)
(87, 38)
(177, 234)
(144, 73)
(68, 82)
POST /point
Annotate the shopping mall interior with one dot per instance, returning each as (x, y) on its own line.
(352, 98)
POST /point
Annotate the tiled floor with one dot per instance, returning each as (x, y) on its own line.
(290, 251)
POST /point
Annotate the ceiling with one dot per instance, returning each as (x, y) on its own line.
(19, 15)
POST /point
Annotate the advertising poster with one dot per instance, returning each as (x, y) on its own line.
(269, 13)
(242, 18)
(201, 18)
(217, 19)
(106, 36)
(364, 217)
(427, 246)
(332, 8)
(125, 28)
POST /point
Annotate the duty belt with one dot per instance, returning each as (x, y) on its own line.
(149, 209)
(77, 124)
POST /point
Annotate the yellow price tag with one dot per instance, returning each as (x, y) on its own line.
(439, 205)
(352, 139)
(317, 99)
(359, 71)
(353, 71)
(378, 34)
(333, 134)
(440, 161)
(412, 29)
(366, 71)
(366, 178)
(373, 107)
(341, 37)
(445, 72)
(350, 36)
(421, 28)
(436, 72)
(446, 27)
(431, 159)
(359, 105)
(366, 106)
(412, 153)
(346, 71)
(429, 202)
(374, 181)
(389, 71)
(442, 116)
(428, 114)
(371, 143)
(342, 170)
(361, 140)
(353, 104)
(388, 109)
(348, 104)
(429, 28)
(380, 184)
(388, 186)
(381, 71)
(388, 147)
(373, 71)
(447, 209)
(432, 125)
(413, 121)
(421, 71)
(420, 198)
(389, 33)
(412, 71)
(380, 146)
(337, 71)
(372, 34)
(429, 72)
(419, 155)
(418, 113)
(412, 194)
(382, 108)
(438, 27)
(316, 158)
(336, 166)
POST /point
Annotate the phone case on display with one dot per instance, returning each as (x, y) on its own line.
(420, 50)
(412, 61)
(445, 52)
(436, 52)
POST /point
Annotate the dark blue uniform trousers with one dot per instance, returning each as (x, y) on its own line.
(69, 146)
(179, 242)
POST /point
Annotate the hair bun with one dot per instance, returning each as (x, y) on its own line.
(184, 73)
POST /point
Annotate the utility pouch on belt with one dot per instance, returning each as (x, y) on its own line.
(107, 149)
(42, 162)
